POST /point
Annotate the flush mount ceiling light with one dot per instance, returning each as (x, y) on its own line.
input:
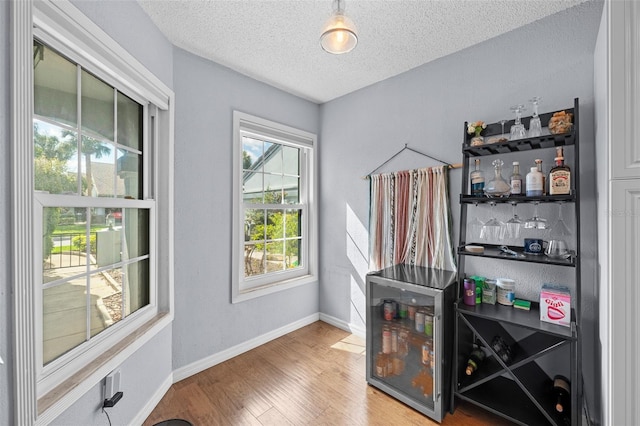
(339, 34)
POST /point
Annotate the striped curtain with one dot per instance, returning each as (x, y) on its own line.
(410, 219)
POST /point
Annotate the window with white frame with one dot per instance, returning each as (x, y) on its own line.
(274, 230)
(93, 149)
(91, 211)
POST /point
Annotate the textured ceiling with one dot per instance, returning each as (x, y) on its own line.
(277, 41)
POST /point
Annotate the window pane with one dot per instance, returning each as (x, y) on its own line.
(273, 158)
(275, 224)
(275, 257)
(64, 318)
(292, 253)
(99, 167)
(292, 223)
(103, 286)
(129, 122)
(291, 158)
(56, 159)
(136, 233)
(253, 259)
(272, 189)
(63, 231)
(252, 187)
(291, 187)
(112, 299)
(55, 86)
(97, 106)
(128, 179)
(109, 239)
(252, 150)
(136, 286)
(254, 225)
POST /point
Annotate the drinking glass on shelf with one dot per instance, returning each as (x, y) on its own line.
(558, 238)
(535, 127)
(535, 222)
(517, 130)
(493, 229)
(514, 225)
(502, 124)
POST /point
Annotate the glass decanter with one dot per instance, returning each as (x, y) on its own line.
(498, 186)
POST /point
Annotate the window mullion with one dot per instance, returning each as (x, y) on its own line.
(79, 125)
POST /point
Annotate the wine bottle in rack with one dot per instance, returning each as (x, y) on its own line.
(561, 394)
(475, 359)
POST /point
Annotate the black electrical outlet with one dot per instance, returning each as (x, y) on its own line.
(113, 400)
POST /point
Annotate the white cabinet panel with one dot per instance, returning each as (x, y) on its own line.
(625, 88)
(624, 294)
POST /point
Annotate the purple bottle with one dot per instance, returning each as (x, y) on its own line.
(469, 296)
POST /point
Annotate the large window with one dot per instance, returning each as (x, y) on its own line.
(93, 195)
(274, 243)
(91, 215)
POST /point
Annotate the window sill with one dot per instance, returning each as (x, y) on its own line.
(253, 293)
(55, 402)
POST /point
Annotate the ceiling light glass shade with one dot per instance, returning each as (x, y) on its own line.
(339, 34)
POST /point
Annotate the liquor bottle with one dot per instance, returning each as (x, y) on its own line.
(516, 179)
(534, 183)
(544, 176)
(559, 176)
(561, 394)
(477, 180)
(475, 359)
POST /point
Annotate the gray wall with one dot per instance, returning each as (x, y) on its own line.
(426, 108)
(6, 322)
(206, 322)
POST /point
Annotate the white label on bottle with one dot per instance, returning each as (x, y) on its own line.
(516, 186)
(560, 183)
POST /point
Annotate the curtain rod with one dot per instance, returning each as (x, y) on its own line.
(406, 147)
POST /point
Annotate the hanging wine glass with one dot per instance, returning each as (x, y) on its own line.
(493, 229)
(514, 225)
(517, 130)
(558, 237)
(475, 228)
(535, 222)
(535, 127)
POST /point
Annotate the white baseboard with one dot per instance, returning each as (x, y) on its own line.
(208, 362)
(343, 325)
(153, 401)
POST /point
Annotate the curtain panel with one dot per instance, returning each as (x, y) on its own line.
(410, 219)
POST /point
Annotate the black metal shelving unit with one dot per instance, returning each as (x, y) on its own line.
(519, 390)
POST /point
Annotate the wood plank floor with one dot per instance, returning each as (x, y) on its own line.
(312, 376)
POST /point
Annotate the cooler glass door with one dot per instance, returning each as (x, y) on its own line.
(403, 343)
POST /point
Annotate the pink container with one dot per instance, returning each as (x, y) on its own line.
(555, 305)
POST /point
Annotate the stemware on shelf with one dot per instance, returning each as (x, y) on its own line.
(475, 227)
(535, 222)
(502, 122)
(535, 126)
(517, 130)
(493, 229)
(558, 237)
(514, 225)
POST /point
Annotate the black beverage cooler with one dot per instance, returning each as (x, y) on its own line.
(410, 327)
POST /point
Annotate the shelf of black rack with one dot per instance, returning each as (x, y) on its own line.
(518, 199)
(493, 251)
(529, 319)
(520, 145)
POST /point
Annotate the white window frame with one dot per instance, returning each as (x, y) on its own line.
(42, 394)
(260, 128)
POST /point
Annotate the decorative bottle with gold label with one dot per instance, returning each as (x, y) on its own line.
(560, 176)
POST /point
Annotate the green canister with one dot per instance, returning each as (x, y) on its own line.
(479, 284)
